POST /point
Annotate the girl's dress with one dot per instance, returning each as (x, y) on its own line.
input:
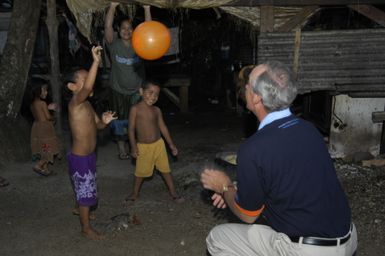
(44, 142)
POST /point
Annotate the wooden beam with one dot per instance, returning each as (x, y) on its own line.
(368, 94)
(174, 99)
(183, 84)
(371, 12)
(267, 19)
(298, 19)
(250, 3)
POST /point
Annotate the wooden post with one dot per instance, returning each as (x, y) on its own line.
(52, 26)
(267, 18)
(183, 96)
(297, 46)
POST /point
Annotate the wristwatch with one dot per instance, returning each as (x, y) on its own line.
(225, 188)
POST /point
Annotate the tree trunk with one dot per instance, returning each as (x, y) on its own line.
(14, 66)
(52, 25)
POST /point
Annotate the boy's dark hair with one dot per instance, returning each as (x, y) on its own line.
(69, 77)
(36, 85)
(147, 82)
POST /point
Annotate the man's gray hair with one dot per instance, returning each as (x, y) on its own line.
(275, 86)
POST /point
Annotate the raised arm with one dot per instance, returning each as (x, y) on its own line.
(166, 135)
(88, 86)
(147, 13)
(108, 29)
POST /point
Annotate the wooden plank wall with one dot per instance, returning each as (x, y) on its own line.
(339, 61)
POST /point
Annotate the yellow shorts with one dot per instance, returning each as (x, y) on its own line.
(150, 156)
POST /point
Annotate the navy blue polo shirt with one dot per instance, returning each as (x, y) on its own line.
(285, 173)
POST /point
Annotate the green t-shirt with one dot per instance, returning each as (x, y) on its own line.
(127, 70)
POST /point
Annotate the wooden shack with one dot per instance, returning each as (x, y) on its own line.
(341, 70)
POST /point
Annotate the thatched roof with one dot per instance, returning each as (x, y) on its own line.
(85, 10)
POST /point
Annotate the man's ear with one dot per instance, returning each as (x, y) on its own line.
(141, 91)
(256, 99)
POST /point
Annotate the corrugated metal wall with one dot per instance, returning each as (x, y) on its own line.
(341, 61)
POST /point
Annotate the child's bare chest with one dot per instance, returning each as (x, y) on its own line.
(83, 113)
(147, 117)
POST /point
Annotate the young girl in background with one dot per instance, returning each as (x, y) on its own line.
(44, 142)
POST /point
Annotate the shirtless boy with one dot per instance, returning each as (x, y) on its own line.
(84, 123)
(146, 126)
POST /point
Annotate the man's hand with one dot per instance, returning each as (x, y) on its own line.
(96, 53)
(218, 201)
(108, 116)
(214, 180)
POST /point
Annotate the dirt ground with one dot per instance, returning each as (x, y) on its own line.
(36, 218)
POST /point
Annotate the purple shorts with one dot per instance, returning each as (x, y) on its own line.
(82, 171)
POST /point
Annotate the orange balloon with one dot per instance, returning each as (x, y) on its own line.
(151, 40)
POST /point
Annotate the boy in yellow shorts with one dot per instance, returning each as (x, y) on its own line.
(145, 130)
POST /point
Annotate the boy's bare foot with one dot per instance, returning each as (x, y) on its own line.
(177, 199)
(130, 199)
(92, 215)
(92, 234)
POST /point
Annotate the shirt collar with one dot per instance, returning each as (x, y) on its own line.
(271, 117)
